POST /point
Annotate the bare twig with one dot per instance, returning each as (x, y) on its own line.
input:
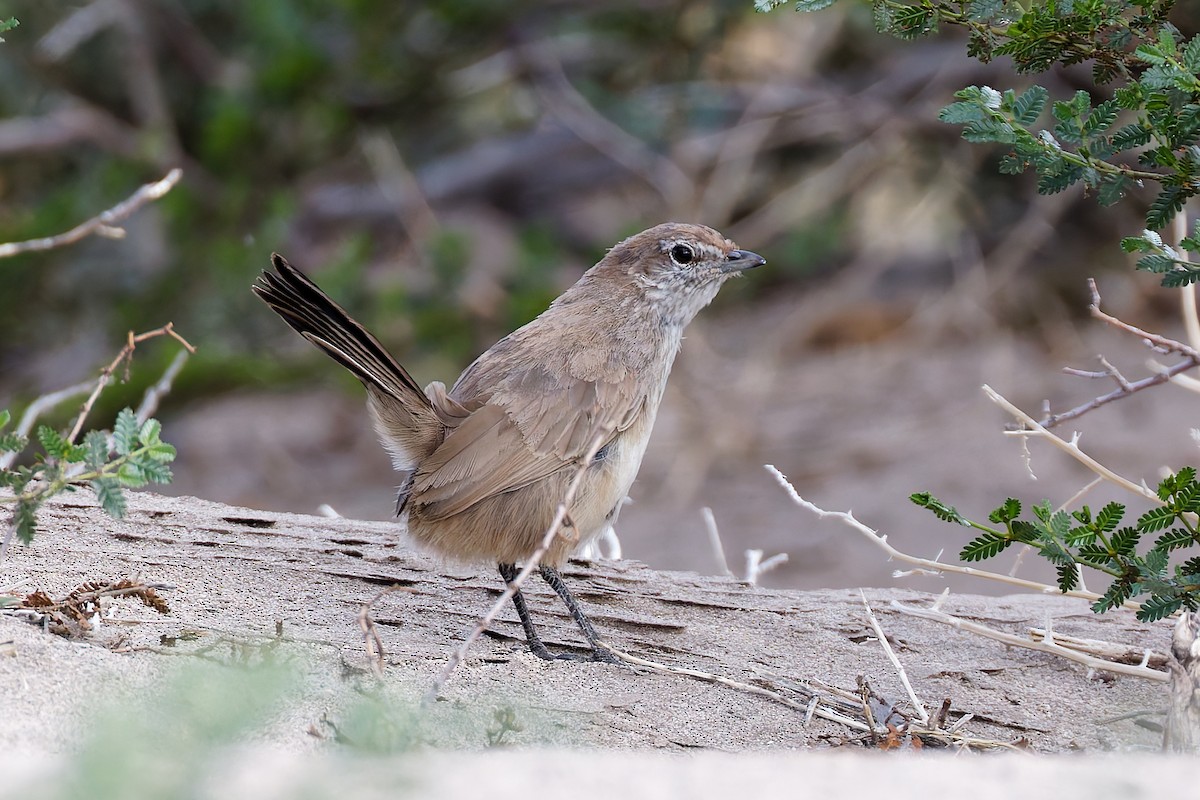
(1042, 645)
(708, 677)
(1125, 387)
(918, 706)
(931, 566)
(35, 409)
(714, 541)
(1034, 429)
(103, 224)
(535, 558)
(370, 634)
(126, 352)
(756, 567)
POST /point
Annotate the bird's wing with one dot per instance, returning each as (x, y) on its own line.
(531, 428)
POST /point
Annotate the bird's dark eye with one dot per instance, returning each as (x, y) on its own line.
(682, 254)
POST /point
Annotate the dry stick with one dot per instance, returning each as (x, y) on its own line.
(1191, 359)
(933, 567)
(714, 540)
(721, 680)
(1044, 646)
(371, 638)
(1109, 651)
(106, 373)
(922, 714)
(1034, 429)
(560, 516)
(103, 224)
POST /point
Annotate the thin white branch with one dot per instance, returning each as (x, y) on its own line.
(1034, 429)
(881, 637)
(714, 541)
(1046, 645)
(935, 567)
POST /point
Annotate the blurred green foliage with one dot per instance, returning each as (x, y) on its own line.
(265, 105)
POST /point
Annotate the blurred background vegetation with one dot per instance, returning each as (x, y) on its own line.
(444, 169)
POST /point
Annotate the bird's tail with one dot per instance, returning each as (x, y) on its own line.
(404, 416)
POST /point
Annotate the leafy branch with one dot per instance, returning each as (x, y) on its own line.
(1127, 41)
(1077, 539)
(132, 456)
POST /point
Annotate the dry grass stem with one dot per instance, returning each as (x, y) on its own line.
(555, 528)
(103, 224)
(1042, 645)
(918, 706)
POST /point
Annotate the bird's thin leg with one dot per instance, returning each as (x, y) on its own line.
(551, 576)
(509, 573)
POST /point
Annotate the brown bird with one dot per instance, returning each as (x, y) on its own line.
(486, 464)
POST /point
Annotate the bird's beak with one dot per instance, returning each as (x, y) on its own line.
(742, 260)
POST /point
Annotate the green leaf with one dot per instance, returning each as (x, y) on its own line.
(1125, 540)
(1181, 277)
(112, 499)
(25, 519)
(989, 130)
(1164, 208)
(1024, 532)
(5, 417)
(911, 22)
(1174, 539)
(152, 470)
(1117, 593)
(1009, 510)
(1157, 607)
(1028, 107)
(763, 6)
(1132, 135)
(95, 445)
(131, 475)
(1156, 263)
(125, 432)
(161, 452)
(961, 113)
(1101, 118)
(1068, 577)
(940, 510)
(1012, 165)
(149, 432)
(1191, 55)
(984, 10)
(1109, 517)
(1112, 190)
(52, 442)
(1055, 183)
(1189, 569)
(1150, 54)
(986, 545)
(12, 442)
